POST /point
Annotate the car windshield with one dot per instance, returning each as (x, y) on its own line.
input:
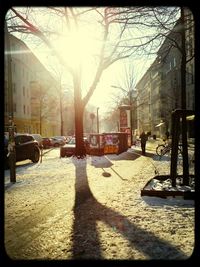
(72, 141)
(60, 137)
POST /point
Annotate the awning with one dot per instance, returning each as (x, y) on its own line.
(158, 125)
(190, 118)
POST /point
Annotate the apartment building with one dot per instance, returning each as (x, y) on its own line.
(190, 65)
(159, 89)
(29, 105)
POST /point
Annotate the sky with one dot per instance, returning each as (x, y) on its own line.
(103, 94)
(80, 49)
(104, 91)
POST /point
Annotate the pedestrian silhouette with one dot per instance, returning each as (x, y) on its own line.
(167, 134)
(143, 138)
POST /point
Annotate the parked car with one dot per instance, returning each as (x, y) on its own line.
(62, 138)
(58, 141)
(47, 142)
(68, 138)
(39, 139)
(68, 149)
(26, 148)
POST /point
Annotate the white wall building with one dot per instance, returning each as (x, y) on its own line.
(27, 69)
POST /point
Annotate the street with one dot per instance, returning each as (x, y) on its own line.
(65, 208)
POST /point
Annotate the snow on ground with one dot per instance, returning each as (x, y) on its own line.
(68, 208)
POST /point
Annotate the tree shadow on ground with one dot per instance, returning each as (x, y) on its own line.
(88, 212)
(105, 162)
(101, 162)
(162, 158)
(147, 153)
(128, 155)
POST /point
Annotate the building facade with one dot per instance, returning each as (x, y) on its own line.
(28, 103)
(159, 90)
(190, 59)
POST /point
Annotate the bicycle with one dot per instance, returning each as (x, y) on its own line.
(165, 149)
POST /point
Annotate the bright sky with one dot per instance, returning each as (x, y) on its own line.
(81, 48)
(102, 96)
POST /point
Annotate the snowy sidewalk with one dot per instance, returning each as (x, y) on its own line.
(64, 208)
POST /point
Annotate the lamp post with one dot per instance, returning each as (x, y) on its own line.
(92, 116)
(98, 129)
(40, 108)
(131, 119)
(98, 120)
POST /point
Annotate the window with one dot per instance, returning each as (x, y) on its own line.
(27, 138)
(6, 107)
(21, 139)
(23, 91)
(169, 67)
(18, 140)
(192, 73)
(191, 52)
(15, 107)
(24, 109)
(14, 88)
(6, 85)
(174, 62)
(187, 74)
(13, 46)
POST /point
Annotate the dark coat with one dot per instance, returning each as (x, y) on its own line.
(143, 137)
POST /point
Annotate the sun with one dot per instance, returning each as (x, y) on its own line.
(78, 47)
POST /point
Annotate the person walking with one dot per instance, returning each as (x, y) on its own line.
(143, 138)
(167, 135)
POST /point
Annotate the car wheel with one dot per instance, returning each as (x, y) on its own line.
(36, 156)
(62, 153)
(56, 145)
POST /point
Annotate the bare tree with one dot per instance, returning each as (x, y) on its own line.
(115, 24)
(111, 120)
(58, 73)
(130, 96)
(43, 102)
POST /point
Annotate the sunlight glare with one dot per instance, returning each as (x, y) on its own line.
(77, 47)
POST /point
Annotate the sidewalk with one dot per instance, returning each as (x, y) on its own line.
(151, 144)
(64, 208)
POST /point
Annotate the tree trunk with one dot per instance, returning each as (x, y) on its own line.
(61, 116)
(80, 151)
